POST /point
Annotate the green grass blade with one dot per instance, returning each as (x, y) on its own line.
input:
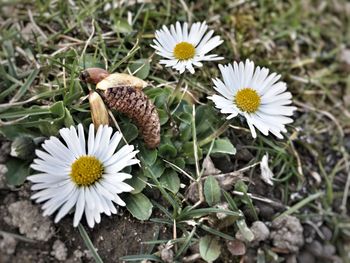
(88, 243)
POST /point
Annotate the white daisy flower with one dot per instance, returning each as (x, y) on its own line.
(182, 48)
(87, 179)
(256, 95)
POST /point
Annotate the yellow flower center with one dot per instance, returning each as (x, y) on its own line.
(184, 50)
(86, 170)
(247, 100)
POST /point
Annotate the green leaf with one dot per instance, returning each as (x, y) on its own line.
(68, 119)
(185, 132)
(89, 243)
(170, 180)
(157, 169)
(216, 232)
(139, 206)
(206, 120)
(141, 258)
(148, 156)
(122, 26)
(23, 147)
(188, 152)
(13, 131)
(167, 150)
(212, 191)
(140, 68)
(209, 248)
(190, 213)
(185, 117)
(160, 96)
(20, 112)
(130, 131)
(138, 182)
(152, 93)
(241, 187)
(223, 146)
(57, 109)
(22, 90)
(163, 116)
(245, 231)
(180, 162)
(51, 126)
(89, 61)
(17, 171)
(230, 201)
(186, 243)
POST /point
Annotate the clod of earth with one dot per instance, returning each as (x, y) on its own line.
(287, 233)
(3, 171)
(260, 231)
(7, 244)
(59, 250)
(27, 217)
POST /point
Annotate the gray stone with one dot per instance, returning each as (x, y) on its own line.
(306, 256)
(236, 247)
(315, 247)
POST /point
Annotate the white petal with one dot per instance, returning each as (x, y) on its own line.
(251, 127)
(104, 143)
(70, 141)
(118, 201)
(67, 206)
(120, 186)
(58, 150)
(125, 150)
(90, 202)
(89, 214)
(91, 139)
(113, 144)
(280, 110)
(97, 139)
(82, 138)
(80, 206)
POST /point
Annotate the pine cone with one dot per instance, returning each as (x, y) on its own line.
(136, 105)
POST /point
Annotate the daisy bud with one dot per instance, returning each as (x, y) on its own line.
(98, 109)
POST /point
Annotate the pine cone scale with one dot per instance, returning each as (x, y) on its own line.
(135, 104)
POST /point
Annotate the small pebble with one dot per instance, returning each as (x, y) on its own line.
(7, 244)
(328, 250)
(315, 247)
(327, 233)
(166, 254)
(306, 257)
(3, 170)
(59, 250)
(266, 212)
(260, 231)
(291, 259)
(236, 247)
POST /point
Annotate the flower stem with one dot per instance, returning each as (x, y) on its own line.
(216, 134)
(170, 101)
(177, 89)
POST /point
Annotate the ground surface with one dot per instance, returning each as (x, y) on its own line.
(308, 42)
